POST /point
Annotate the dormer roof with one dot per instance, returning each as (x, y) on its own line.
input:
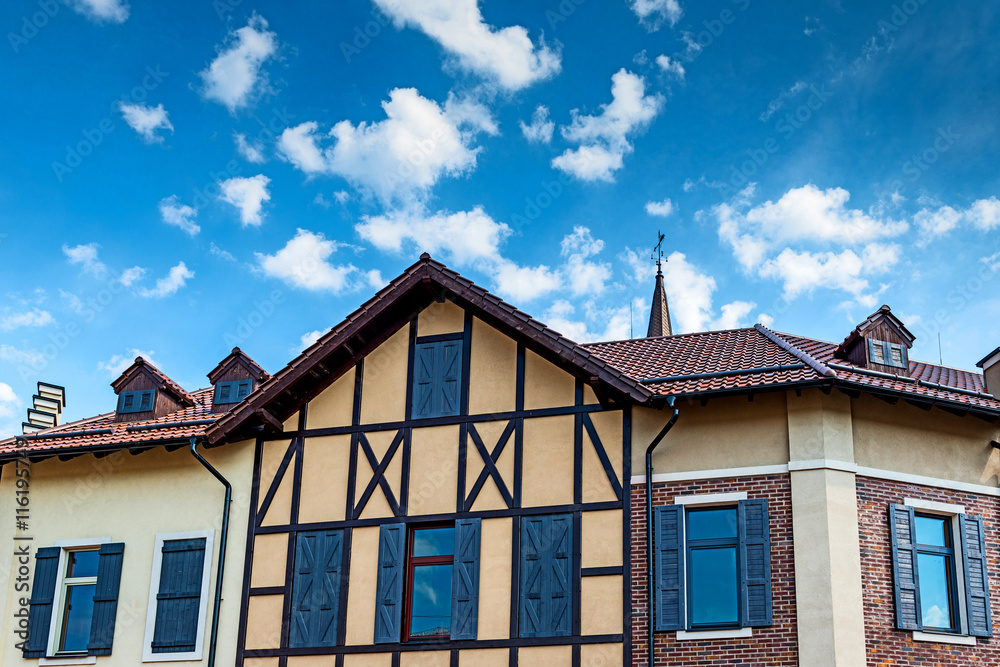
(142, 366)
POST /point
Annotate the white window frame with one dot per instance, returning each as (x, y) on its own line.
(51, 655)
(952, 511)
(154, 589)
(707, 500)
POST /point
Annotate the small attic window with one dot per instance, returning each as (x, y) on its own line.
(232, 392)
(887, 354)
(136, 401)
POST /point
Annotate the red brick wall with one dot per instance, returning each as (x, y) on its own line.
(775, 645)
(886, 645)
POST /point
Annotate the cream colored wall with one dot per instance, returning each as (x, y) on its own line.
(383, 394)
(492, 370)
(545, 385)
(933, 443)
(130, 499)
(362, 589)
(547, 468)
(440, 318)
(494, 578)
(725, 433)
(335, 405)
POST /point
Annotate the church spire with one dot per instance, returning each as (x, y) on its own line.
(659, 312)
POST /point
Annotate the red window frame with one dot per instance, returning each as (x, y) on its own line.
(415, 561)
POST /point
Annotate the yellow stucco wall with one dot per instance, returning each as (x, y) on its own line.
(383, 396)
(434, 470)
(361, 594)
(547, 475)
(333, 407)
(492, 370)
(130, 499)
(545, 385)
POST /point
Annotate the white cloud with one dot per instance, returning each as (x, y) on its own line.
(249, 150)
(74, 302)
(31, 318)
(304, 262)
(612, 323)
(248, 194)
(146, 120)
(175, 279)
(86, 256)
(671, 67)
(765, 319)
(11, 354)
(584, 276)
(220, 253)
(131, 276)
(118, 363)
(309, 338)
(653, 13)
(399, 158)
(985, 214)
(466, 236)
(774, 105)
(10, 404)
(604, 137)
(524, 283)
(540, 129)
(933, 223)
(179, 215)
(234, 79)
(992, 262)
(101, 11)
(374, 279)
(505, 56)
(662, 209)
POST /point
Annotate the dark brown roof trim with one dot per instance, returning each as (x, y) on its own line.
(803, 356)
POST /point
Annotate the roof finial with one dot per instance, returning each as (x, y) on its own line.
(658, 253)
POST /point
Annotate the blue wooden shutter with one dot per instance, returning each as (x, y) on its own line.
(146, 400)
(316, 588)
(389, 589)
(109, 576)
(243, 389)
(755, 559)
(906, 583)
(546, 576)
(465, 584)
(43, 589)
(437, 379)
(669, 567)
(179, 598)
(977, 585)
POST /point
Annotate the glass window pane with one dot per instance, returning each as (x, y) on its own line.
(430, 614)
(82, 564)
(77, 614)
(433, 542)
(711, 524)
(935, 601)
(933, 531)
(713, 586)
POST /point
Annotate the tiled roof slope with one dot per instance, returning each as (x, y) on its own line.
(741, 349)
(194, 421)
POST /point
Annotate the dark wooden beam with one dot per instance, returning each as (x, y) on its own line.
(270, 421)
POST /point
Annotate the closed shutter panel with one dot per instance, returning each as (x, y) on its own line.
(465, 585)
(243, 389)
(179, 599)
(109, 576)
(437, 379)
(669, 569)
(146, 400)
(43, 588)
(755, 548)
(977, 585)
(316, 588)
(546, 605)
(389, 589)
(904, 568)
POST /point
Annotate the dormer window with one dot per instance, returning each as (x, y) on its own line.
(232, 392)
(887, 354)
(136, 401)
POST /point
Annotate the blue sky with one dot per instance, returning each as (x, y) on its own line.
(183, 177)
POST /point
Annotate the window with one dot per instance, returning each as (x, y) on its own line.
(74, 599)
(178, 597)
(136, 401)
(713, 564)
(940, 579)
(428, 582)
(437, 377)
(546, 586)
(232, 392)
(887, 354)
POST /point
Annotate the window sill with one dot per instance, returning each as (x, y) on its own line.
(75, 660)
(192, 656)
(740, 633)
(935, 638)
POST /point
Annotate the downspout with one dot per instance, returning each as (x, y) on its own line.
(650, 543)
(222, 550)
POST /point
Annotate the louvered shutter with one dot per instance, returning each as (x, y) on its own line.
(669, 569)
(43, 588)
(465, 584)
(109, 576)
(437, 379)
(146, 400)
(546, 600)
(977, 585)
(389, 588)
(243, 389)
(179, 597)
(755, 558)
(906, 583)
(316, 588)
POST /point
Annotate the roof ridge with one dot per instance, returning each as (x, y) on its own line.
(689, 334)
(816, 365)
